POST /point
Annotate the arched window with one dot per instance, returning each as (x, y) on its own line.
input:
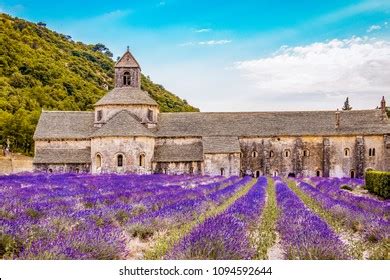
(352, 173)
(306, 153)
(222, 171)
(276, 173)
(98, 161)
(119, 160)
(287, 153)
(318, 173)
(255, 154)
(347, 152)
(369, 152)
(271, 154)
(126, 79)
(373, 152)
(257, 174)
(150, 115)
(142, 160)
(99, 115)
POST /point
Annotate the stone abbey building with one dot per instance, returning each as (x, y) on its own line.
(127, 134)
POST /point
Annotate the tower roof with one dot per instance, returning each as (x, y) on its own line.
(126, 96)
(127, 60)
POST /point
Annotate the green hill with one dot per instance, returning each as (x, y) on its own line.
(42, 69)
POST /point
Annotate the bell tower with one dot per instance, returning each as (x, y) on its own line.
(127, 71)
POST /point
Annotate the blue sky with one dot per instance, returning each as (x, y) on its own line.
(240, 55)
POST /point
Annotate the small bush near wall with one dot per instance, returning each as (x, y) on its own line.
(378, 182)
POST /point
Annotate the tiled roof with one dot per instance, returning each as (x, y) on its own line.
(62, 156)
(178, 153)
(126, 96)
(123, 124)
(220, 145)
(64, 125)
(267, 124)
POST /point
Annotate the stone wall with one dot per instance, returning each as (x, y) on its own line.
(135, 76)
(222, 164)
(62, 144)
(179, 168)
(61, 168)
(129, 147)
(312, 156)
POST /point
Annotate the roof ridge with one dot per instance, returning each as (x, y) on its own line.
(268, 112)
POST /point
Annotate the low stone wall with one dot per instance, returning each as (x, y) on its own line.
(16, 164)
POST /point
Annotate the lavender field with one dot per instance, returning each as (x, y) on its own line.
(72, 216)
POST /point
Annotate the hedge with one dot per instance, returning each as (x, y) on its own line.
(378, 182)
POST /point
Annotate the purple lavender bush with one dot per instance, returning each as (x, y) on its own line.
(303, 234)
(225, 236)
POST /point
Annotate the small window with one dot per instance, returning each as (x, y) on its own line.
(222, 171)
(287, 153)
(255, 154)
(150, 115)
(371, 152)
(276, 173)
(98, 161)
(142, 160)
(257, 174)
(126, 78)
(318, 173)
(271, 154)
(347, 152)
(352, 173)
(120, 160)
(306, 153)
(50, 170)
(99, 115)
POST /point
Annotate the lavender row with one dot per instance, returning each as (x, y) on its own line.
(187, 209)
(332, 188)
(82, 217)
(303, 234)
(225, 236)
(373, 227)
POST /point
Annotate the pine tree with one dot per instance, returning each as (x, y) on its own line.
(346, 106)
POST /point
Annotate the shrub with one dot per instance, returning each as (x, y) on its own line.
(8, 246)
(378, 182)
(141, 231)
(346, 187)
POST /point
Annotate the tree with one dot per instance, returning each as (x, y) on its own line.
(42, 24)
(99, 47)
(346, 106)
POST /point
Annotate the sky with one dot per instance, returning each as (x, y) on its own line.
(240, 55)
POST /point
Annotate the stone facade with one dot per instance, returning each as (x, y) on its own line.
(127, 134)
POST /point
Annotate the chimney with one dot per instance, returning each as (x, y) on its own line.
(383, 108)
(337, 118)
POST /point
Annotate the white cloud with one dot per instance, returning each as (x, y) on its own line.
(161, 4)
(373, 28)
(332, 68)
(215, 42)
(203, 30)
(206, 43)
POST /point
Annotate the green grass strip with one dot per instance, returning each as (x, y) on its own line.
(356, 247)
(264, 237)
(168, 240)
